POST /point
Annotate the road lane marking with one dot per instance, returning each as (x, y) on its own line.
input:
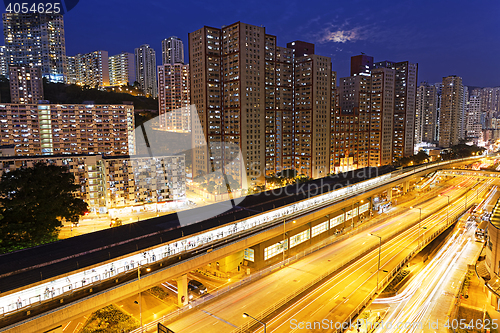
(218, 318)
(65, 327)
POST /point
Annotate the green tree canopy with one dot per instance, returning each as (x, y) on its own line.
(288, 173)
(33, 202)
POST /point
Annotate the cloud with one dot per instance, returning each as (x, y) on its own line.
(341, 35)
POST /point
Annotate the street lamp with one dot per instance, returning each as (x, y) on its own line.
(419, 221)
(352, 214)
(466, 200)
(379, 250)
(284, 235)
(447, 208)
(247, 315)
(140, 295)
(284, 239)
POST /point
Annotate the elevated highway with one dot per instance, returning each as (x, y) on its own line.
(44, 287)
(481, 174)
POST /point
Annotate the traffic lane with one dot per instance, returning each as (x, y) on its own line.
(221, 308)
(327, 307)
(271, 287)
(224, 308)
(335, 299)
(428, 280)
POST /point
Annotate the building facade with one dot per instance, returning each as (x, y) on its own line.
(122, 69)
(54, 129)
(92, 69)
(107, 182)
(36, 40)
(381, 116)
(473, 119)
(174, 100)
(145, 68)
(312, 111)
(26, 85)
(72, 78)
(351, 125)
(405, 105)
(426, 113)
(262, 108)
(172, 51)
(362, 119)
(4, 69)
(451, 111)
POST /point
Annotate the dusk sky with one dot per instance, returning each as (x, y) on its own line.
(444, 37)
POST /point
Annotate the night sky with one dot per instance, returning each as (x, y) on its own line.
(444, 37)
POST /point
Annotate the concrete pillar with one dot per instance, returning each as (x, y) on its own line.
(389, 194)
(182, 290)
(406, 186)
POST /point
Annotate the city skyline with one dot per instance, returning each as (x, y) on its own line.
(437, 40)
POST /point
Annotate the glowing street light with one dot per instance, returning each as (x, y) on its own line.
(247, 315)
(419, 221)
(379, 250)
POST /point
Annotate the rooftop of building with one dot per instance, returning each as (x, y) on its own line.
(62, 156)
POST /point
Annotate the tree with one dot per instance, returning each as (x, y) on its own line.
(288, 173)
(421, 157)
(33, 202)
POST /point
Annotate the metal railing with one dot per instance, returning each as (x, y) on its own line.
(287, 299)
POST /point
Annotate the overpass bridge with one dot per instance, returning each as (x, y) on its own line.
(46, 286)
(482, 174)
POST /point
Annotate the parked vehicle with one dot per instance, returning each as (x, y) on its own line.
(196, 289)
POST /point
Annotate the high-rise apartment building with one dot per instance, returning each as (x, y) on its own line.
(463, 119)
(53, 129)
(490, 104)
(473, 118)
(381, 116)
(362, 119)
(352, 123)
(439, 91)
(72, 78)
(451, 110)
(361, 65)
(272, 104)
(426, 113)
(145, 68)
(174, 98)
(280, 108)
(122, 69)
(26, 86)
(312, 110)
(404, 110)
(92, 69)
(172, 51)
(4, 69)
(36, 40)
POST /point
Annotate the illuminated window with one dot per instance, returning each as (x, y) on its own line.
(300, 238)
(336, 221)
(320, 228)
(275, 249)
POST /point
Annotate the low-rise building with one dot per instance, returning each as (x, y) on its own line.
(25, 84)
(116, 181)
(54, 129)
